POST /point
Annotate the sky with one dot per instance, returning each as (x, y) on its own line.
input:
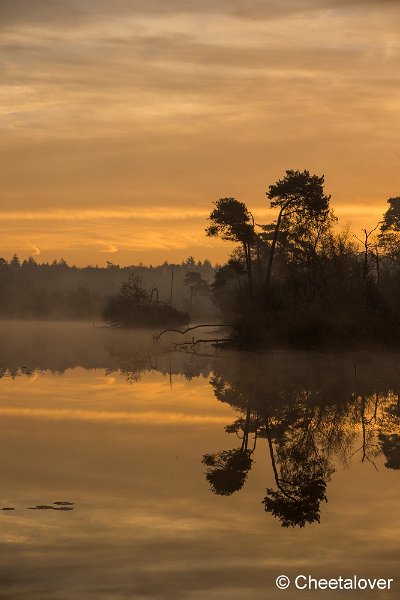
(122, 122)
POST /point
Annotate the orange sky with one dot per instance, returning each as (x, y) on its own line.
(121, 122)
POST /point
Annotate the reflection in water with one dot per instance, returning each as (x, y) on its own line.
(306, 422)
(227, 470)
(62, 505)
(309, 408)
(57, 347)
(122, 433)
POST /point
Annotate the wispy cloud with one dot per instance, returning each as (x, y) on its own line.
(122, 122)
(154, 213)
(36, 250)
(109, 249)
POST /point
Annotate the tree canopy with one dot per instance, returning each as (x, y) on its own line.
(391, 218)
(232, 221)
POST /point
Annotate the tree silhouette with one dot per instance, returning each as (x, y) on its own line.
(391, 218)
(389, 237)
(134, 306)
(300, 195)
(232, 221)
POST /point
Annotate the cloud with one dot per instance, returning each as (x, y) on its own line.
(39, 12)
(149, 111)
(36, 250)
(156, 213)
(63, 14)
(109, 249)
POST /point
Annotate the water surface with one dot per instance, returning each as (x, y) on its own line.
(191, 476)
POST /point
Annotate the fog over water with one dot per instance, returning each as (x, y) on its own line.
(191, 475)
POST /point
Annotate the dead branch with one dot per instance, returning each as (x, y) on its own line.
(192, 344)
(157, 336)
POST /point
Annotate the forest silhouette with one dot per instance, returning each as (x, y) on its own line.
(298, 281)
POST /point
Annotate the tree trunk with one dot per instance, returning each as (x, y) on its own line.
(258, 250)
(258, 260)
(271, 453)
(245, 440)
(172, 284)
(273, 246)
(246, 248)
(378, 269)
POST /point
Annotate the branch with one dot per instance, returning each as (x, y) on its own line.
(157, 336)
(190, 346)
(194, 342)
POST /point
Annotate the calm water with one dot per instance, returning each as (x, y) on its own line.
(192, 476)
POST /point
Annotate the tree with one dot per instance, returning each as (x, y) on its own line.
(190, 262)
(389, 237)
(232, 221)
(228, 286)
(300, 195)
(391, 218)
(133, 293)
(369, 245)
(134, 306)
(196, 284)
(15, 263)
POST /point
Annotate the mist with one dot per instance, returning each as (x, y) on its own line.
(58, 291)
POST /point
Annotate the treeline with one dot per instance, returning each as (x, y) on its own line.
(299, 280)
(29, 290)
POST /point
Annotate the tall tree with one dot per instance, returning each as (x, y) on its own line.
(232, 221)
(196, 285)
(389, 237)
(391, 218)
(298, 194)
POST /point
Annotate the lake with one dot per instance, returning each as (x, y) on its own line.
(151, 471)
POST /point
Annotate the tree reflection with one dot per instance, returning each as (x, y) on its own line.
(390, 446)
(389, 439)
(301, 489)
(308, 423)
(301, 476)
(307, 411)
(227, 470)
